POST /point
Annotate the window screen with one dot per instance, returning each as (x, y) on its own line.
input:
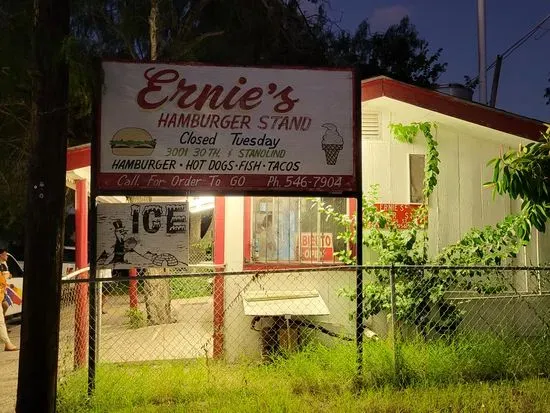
(292, 230)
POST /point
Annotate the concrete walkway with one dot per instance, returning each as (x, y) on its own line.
(9, 365)
(189, 337)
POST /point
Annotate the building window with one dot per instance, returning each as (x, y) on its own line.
(292, 230)
(416, 178)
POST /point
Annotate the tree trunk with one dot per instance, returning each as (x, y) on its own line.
(153, 29)
(157, 292)
(45, 211)
(158, 299)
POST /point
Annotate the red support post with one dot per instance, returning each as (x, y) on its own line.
(219, 281)
(81, 247)
(132, 290)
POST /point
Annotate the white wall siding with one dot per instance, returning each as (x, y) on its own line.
(459, 202)
(544, 247)
(376, 160)
(469, 182)
(445, 218)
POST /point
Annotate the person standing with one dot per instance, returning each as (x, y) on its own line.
(4, 277)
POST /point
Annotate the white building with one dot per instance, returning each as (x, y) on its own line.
(252, 233)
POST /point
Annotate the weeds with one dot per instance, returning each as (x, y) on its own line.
(136, 318)
(190, 287)
(471, 373)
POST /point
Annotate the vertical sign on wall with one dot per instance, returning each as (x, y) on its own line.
(142, 235)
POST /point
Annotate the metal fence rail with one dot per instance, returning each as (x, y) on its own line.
(200, 315)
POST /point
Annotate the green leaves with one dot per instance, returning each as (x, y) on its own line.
(407, 134)
(404, 133)
(431, 171)
(492, 245)
(525, 174)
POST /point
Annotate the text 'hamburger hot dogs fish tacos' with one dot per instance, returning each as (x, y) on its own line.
(132, 142)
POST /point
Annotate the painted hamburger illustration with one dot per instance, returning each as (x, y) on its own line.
(332, 143)
(132, 142)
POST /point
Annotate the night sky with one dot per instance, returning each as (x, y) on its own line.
(452, 26)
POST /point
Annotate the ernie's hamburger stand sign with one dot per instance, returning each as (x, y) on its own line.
(169, 128)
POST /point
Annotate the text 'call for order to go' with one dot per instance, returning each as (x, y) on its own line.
(290, 182)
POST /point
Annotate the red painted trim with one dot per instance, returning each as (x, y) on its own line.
(219, 282)
(352, 206)
(79, 157)
(81, 261)
(219, 230)
(449, 105)
(247, 241)
(371, 89)
(81, 224)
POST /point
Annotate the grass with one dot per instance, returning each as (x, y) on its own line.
(180, 287)
(190, 287)
(485, 373)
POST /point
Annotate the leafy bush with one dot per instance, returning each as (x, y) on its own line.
(420, 297)
(136, 318)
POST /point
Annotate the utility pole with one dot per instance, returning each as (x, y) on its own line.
(37, 382)
(496, 78)
(482, 52)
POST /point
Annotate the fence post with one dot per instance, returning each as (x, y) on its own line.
(394, 332)
(359, 321)
(359, 324)
(92, 342)
(92, 226)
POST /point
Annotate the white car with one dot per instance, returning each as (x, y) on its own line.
(16, 270)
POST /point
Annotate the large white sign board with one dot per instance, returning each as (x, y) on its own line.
(142, 235)
(169, 127)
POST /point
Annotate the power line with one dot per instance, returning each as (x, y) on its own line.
(540, 36)
(520, 42)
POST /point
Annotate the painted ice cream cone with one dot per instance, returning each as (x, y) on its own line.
(332, 143)
(331, 152)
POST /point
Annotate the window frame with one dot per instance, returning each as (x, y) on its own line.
(409, 180)
(249, 237)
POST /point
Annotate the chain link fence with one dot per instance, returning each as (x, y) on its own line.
(419, 324)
